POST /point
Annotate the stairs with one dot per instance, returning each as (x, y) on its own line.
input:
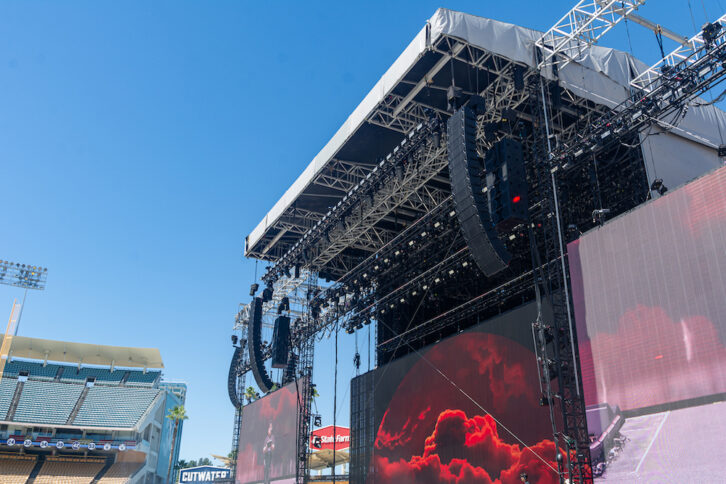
(14, 402)
(125, 378)
(77, 407)
(102, 472)
(36, 470)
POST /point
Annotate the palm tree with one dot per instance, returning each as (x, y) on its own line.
(250, 394)
(176, 414)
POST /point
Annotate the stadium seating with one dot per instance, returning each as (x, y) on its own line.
(64, 470)
(102, 375)
(141, 378)
(114, 406)
(47, 402)
(35, 370)
(7, 390)
(15, 469)
(120, 472)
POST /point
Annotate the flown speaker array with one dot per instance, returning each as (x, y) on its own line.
(257, 362)
(281, 342)
(467, 189)
(232, 377)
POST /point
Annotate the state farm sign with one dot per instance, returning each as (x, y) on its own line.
(323, 438)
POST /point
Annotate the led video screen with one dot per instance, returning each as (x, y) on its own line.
(649, 293)
(268, 437)
(465, 410)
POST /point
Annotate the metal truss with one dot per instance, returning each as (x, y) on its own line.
(410, 192)
(685, 55)
(394, 183)
(401, 113)
(580, 28)
(668, 94)
(341, 175)
(403, 121)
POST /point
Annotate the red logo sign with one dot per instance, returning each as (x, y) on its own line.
(323, 438)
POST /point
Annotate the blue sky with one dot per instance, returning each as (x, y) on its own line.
(141, 141)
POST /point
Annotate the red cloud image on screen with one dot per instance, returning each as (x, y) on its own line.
(268, 438)
(432, 431)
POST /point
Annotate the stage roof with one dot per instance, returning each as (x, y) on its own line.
(484, 52)
(83, 353)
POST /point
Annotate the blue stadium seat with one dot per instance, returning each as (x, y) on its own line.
(102, 375)
(47, 402)
(140, 378)
(35, 370)
(117, 406)
(7, 390)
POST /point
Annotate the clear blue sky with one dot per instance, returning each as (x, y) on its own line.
(141, 141)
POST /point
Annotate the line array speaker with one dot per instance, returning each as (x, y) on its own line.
(257, 362)
(506, 182)
(281, 342)
(467, 186)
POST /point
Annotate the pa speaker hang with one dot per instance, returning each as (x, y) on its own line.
(257, 361)
(280, 342)
(467, 187)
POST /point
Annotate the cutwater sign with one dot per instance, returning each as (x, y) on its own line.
(204, 474)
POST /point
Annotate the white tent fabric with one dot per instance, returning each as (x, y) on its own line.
(677, 155)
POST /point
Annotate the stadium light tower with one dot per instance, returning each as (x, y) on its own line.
(18, 275)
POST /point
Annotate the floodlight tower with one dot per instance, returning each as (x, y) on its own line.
(18, 275)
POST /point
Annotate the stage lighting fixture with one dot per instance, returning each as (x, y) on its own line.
(253, 289)
(598, 215)
(318, 421)
(710, 33)
(722, 151)
(436, 139)
(657, 186)
(287, 272)
(317, 442)
(234, 339)
(267, 294)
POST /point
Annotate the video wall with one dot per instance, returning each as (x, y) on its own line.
(268, 438)
(465, 410)
(649, 293)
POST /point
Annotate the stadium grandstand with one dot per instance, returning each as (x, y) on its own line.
(74, 413)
